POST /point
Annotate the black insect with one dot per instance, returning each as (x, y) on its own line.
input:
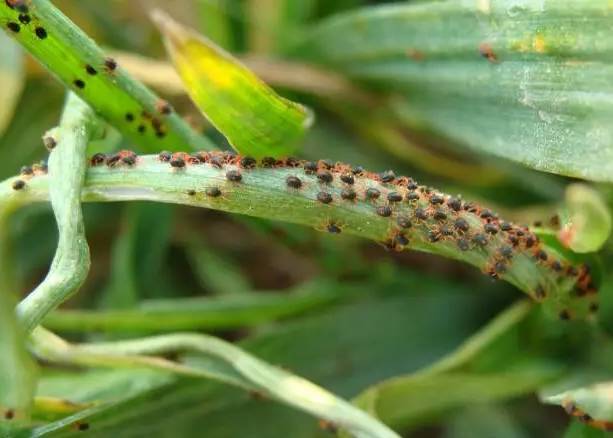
(437, 199)
(463, 244)
(268, 162)
(388, 176)
(177, 162)
(13, 27)
(90, 70)
(384, 211)
(348, 194)
(110, 65)
(40, 32)
(455, 204)
(490, 228)
(440, 215)
(164, 156)
(234, 175)
(248, 162)
(480, 240)
(394, 197)
(404, 222)
(325, 176)
(421, 214)
(333, 228)
(213, 192)
(461, 224)
(24, 18)
(18, 184)
(79, 83)
(412, 196)
(347, 178)
(372, 193)
(26, 170)
(324, 197)
(293, 182)
(310, 167)
(97, 159)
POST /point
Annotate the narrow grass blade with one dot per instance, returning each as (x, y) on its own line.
(224, 362)
(530, 81)
(80, 64)
(254, 119)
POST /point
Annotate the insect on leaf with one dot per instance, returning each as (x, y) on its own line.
(255, 120)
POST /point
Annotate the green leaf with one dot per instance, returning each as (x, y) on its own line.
(530, 80)
(594, 400)
(80, 64)
(585, 219)
(17, 369)
(254, 119)
(12, 78)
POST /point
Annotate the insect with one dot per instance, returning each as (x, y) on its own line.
(234, 175)
(293, 182)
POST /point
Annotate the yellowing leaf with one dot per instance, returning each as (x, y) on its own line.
(255, 120)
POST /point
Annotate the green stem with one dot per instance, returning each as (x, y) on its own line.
(505, 251)
(67, 168)
(248, 372)
(76, 60)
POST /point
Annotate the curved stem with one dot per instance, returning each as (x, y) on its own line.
(67, 167)
(394, 211)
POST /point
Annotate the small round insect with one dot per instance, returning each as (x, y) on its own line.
(9, 414)
(97, 159)
(26, 170)
(348, 194)
(112, 160)
(13, 27)
(40, 32)
(461, 224)
(234, 175)
(463, 244)
(191, 193)
(324, 197)
(49, 142)
(18, 184)
(412, 196)
(177, 162)
(79, 83)
(110, 65)
(268, 162)
(455, 204)
(91, 70)
(310, 167)
(213, 192)
(372, 193)
(440, 215)
(421, 214)
(348, 178)
(163, 107)
(394, 197)
(24, 19)
(506, 226)
(247, 162)
(401, 240)
(437, 199)
(412, 185)
(325, 176)
(384, 211)
(480, 240)
(164, 156)
(293, 182)
(388, 176)
(404, 222)
(490, 228)
(357, 170)
(486, 214)
(541, 255)
(326, 164)
(333, 228)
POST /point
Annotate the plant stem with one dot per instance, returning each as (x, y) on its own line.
(67, 168)
(426, 223)
(247, 372)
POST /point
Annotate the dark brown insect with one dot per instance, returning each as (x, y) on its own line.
(310, 167)
(234, 175)
(268, 162)
(324, 197)
(388, 176)
(421, 214)
(440, 215)
(40, 32)
(490, 228)
(163, 107)
(485, 50)
(293, 182)
(177, 162)
(333, 228)
(13, 27)
(18, 184)
(437, 199)
(90, 70)
(26, 170)
(347, 178)
(110, 65)
(79, 83)
(164, 156)
(394, 197)
(129, 117)
(325, 176)
(372, 193)
(248, 162)
(384, 211)
(213, 192)
(348, 194)
(404, 222)
(97, 159)
(480, 240)
(9, 414)
(24, 18)
(461, 224)
(412, 196)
